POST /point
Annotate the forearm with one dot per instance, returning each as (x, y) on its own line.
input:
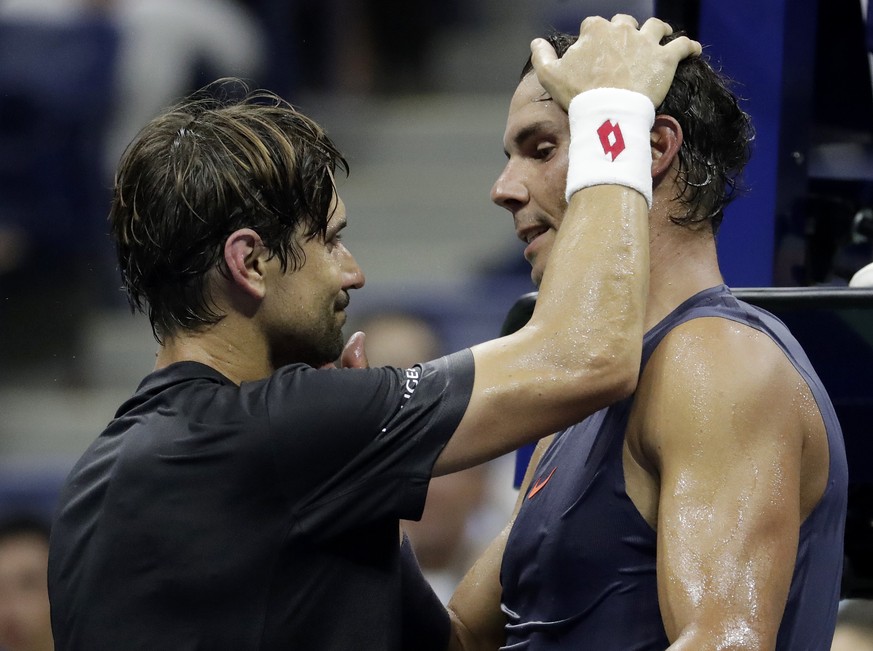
(477, 621)
(585, 336)
(581, 350)
(597, 278)
(478, 624)
(594, 288)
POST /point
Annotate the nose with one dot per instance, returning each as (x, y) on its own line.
(353, 275)
(509, 190)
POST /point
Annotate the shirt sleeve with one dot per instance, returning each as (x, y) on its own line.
(354, 446)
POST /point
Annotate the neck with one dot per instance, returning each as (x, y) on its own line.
(230, 350)
(683, 263)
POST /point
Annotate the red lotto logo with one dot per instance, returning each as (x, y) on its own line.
(611, 139)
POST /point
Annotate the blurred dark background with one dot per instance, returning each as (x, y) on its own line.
(416, 95)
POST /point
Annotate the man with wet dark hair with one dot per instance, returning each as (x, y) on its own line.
(706, 511)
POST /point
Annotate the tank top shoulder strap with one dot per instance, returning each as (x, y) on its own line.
(715, 301)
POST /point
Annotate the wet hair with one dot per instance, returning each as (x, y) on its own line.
(717, 136)
(225, 158)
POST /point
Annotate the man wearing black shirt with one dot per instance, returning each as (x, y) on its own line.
(246, 497)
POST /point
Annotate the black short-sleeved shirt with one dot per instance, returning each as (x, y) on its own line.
(212, 516)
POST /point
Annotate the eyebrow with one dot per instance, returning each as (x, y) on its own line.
(337, 226)
(527, 132)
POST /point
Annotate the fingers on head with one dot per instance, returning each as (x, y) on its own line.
(625, 19)
(594, 22)
(684, 47)
(541, 53)
(658, 29)
(588, 21)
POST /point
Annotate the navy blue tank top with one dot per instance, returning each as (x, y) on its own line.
(579, 567)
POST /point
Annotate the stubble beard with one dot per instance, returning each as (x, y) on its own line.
(316, 349)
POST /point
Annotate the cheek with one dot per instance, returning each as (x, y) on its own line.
(336, 273)
(554, 182)
(323, 272)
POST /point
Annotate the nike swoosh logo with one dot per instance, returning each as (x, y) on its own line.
(540, 484)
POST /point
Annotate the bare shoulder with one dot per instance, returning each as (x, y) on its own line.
(711, 352)
(714, 375)
(717, 399)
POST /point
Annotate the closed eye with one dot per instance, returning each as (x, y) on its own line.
(537, 141)
(334, 241)
(334, 235)
(544, 150)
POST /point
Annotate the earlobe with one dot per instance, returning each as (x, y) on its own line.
(666, 141)
(244, 258)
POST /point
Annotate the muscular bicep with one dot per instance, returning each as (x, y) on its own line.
(721, 428)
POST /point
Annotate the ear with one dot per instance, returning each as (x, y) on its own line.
(245, 257)
(666, 141)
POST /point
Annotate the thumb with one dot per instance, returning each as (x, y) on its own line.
(354, 355)
(541, 54)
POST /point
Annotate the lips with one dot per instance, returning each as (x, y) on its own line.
(531, 234)
(527, 230)
(531, 237)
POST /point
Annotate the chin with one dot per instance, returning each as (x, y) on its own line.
(325, 357)
(316, 354)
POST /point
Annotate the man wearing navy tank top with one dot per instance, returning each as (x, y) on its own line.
(707, 510)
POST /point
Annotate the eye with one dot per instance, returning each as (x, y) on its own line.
(544, 150)
(334, 241)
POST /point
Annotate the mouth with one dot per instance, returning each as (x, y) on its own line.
(529, 236)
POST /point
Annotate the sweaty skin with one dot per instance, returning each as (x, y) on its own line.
(606, 305)
(726, 482)
(725, 453)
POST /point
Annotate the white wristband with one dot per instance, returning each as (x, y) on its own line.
(610, 140)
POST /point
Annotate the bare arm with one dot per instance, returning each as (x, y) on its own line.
(726, 444)
(477, 621)
(581, 349)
